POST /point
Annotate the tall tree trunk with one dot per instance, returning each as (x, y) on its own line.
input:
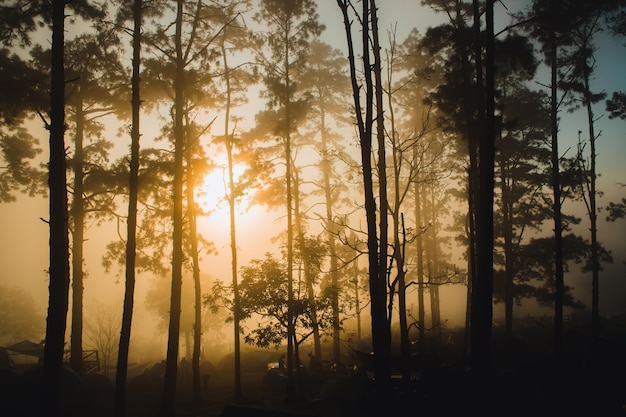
(405, 344)
(330, 236)
(471, 132)
(171, 364)
(383, 354)
(195, 261)
(59, 241)
(78, 217)
(399, 234)
(357, 299)
(435, 306)
(307, 268)
(189, 148)
(197, 326)
(381, 338)
(507, 233)
(593, 215)
(236, 296)
(559, 290)
(232, 201)
(483, 290)
(471, 267)
(317, 341)
(434, 277)
(419, 247)
(291, 334)
(131, 226)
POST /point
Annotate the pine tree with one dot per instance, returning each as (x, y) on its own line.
(131, 226)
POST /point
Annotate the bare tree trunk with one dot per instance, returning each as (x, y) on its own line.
(421, 315)
(471, 133)
(131, 242)
(78, 217)
(383, 354)
(233, 231)
(381, 337)
(171, 364)
(559, 290)
(593, 214)
(509, 274)
(357, 299)
(59, 241)
(434, 276)
(330, 235)
(398, 228)
(306, 265)
(193, 248)
(291, 334)
(483, 290)
(405, 346)
(435, 307)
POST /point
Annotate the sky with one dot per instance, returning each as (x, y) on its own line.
(24, 243)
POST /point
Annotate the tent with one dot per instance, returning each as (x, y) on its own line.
(24, 354)
(26, 347)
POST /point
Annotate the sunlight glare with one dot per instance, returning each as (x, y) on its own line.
(212, 194)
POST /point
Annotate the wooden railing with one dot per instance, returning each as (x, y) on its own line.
(91, 360)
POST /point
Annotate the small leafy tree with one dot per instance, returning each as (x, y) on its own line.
(263, 292)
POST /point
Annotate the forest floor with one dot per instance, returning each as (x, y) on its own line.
(534, 388)
(538, 389)
(525, 380)
(520, 385)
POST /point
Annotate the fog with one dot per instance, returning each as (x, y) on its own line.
(427, 173)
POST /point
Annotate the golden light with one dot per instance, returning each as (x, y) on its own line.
(212, 193)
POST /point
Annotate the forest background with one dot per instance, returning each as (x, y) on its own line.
(24, 252)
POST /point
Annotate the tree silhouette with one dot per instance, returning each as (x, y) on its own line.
(235, 37)
(550, 23)
(453, 47)
(264, 293)
(582, 66)
(59, 242)
(291, 26)
(328, 85)
(431, 162)
(131, 227)
(169, 388)
(402, 172)
(18, 147)
(92, 95)
(482, 291)
(521, 161)
(377, 250)
(426, 137)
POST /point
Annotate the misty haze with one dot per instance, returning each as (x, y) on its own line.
(312, 207)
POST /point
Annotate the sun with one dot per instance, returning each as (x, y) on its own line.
(212, 193)
(254, 225)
